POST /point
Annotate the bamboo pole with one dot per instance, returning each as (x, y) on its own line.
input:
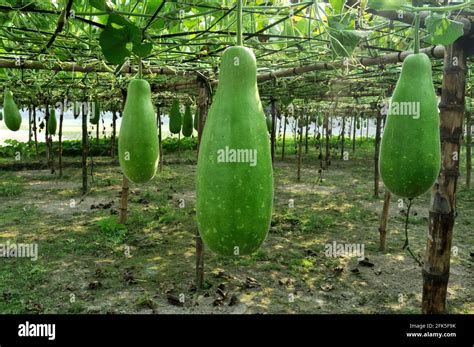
(272, 133)
(300, 145)
(384, 221)
(443, 209)
(468, 148)
(60, 141)
(35, 132)
(85, 140)
(284, 135)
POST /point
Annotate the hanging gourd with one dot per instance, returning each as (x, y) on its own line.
(175, 118)
(138, 138)
(187, 122)
(52, 122)
(269, 122)
(11, 112)
(410, 149)
(234, 170)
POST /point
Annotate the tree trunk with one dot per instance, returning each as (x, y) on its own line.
(124, 201)
(203, 104)
(468, 148)
(442, 213)
(85, 140)
(377, 153)
(384, 221)
(60, 141)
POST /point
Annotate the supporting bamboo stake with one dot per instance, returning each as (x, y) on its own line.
(300, 145)
(354, 128)
(384, 221)
(35, 132)
(443, 209)
(468, 148)
(327, 158)
(272, 133)
(29, 126)
(306, 134)
(284, 135)
(342, 136)
(203, 104)
(85, 140)
(124, 200)
(60, 140)
(160, 138)
(377, 153)
(114, 134)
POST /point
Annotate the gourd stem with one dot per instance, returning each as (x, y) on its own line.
(239, 23)
(417, 33)
(140, 69)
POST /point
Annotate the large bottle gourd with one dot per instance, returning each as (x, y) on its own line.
(234, 171)
(12, 117)
(52, 122)
(188, 122)
(410, 148)
(138, 137)
(176, 119)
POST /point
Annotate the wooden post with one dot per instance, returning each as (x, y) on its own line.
(272, 133)
(300, 145)
(35, 132)
(354, 128)
(114, 134)
(377, 153)
(85, 140)
(284, 135)
(97, 126)
(203, 104)
(328, 153)
(342, 136)
(46, 135)
(29, 126)
(60, 140)
(160, 139)
(468, 148)
(384, 221)
(124, 201)
(306, 133)
(443, 209)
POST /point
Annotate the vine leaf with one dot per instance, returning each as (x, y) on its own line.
(343, 36)
(101, 5)
(443, 31)
(117, 36)
(386, 4)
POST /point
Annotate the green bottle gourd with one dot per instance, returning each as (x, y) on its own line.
(196, 119)
(175, 118)
(96, 115)
(52, 122)
(1, 115)
(234, 170)
(187, 122)
(11, 112)
(138, 138)
(410, 149)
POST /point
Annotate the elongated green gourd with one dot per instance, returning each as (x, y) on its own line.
(138, 138)
(176, 118)
(96, 113)
(410, 148)
(1, 115)
(11, 112)
(269, 122)
(358, 123)
(234, 171)
(196, 119)
(52, 122)
(187, 122)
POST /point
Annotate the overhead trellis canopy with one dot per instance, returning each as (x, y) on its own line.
(304, 49)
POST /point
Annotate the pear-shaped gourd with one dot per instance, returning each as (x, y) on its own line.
(95, 116)
(138, 137)
(176, 118)
(410, 148)
(196, 119)
(188, 122)
(234, 170)
(11, 112)
(52, 122)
